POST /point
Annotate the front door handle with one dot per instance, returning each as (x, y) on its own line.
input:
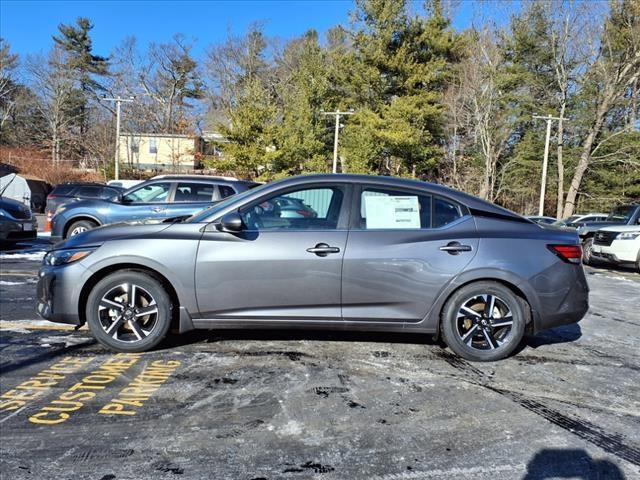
(454, 248)
(158, 209)
(322, 250)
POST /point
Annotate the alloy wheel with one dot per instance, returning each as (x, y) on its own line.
(78, 230)
(128, 313)
(484, 322)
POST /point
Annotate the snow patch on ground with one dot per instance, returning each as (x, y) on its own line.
(7, 283)
(33, 256)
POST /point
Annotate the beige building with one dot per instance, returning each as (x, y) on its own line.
(160, 152)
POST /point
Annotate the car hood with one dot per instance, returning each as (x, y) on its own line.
(116, 231)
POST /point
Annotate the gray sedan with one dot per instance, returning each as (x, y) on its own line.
(380, 253)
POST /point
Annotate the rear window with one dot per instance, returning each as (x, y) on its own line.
(62, 190)
(88, 192)
(193, 192)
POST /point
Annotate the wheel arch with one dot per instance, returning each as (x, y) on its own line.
(516, 284)
(119, 267)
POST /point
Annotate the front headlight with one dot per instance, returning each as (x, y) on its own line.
(62, 257)
(4, 213)
(627, 236)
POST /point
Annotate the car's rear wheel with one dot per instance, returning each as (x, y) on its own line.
(484, 321)
(129, 311)
(80, 226)
(587, 251)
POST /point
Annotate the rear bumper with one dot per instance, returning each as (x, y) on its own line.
(565, 305)
(18, 230)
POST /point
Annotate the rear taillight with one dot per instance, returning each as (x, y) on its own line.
(568, 253)
(47, 224)
(50, 196)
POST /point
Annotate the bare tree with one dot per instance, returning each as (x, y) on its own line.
(614, 70)
(8, 87)
(55, 99)
(487, 115)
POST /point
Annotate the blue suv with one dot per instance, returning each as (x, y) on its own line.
(160, 198)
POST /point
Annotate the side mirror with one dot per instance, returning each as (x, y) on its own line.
(231, 223)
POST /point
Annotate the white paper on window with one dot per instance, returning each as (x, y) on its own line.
(392, 212)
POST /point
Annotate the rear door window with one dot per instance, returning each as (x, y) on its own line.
(193, 192)
(396, 209)
(226, 191)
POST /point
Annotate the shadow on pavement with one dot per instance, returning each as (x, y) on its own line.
(562, 334)
(570, 463)
(44, 356)
(210, 336)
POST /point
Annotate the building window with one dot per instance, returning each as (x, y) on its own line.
(135, 145)
(153, 145)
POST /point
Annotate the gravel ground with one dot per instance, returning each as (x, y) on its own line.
(280, 405)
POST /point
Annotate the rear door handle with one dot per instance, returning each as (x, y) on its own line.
(158, 209)
(454, 248)
(322, 250)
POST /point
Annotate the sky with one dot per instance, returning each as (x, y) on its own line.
(29, 25)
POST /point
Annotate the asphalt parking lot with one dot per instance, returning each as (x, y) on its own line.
(280, 405)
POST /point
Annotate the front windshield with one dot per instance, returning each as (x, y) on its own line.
(621, 214)
(207, 213)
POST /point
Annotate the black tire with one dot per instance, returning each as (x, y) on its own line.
(79, 227)
(587, 247)
(465, 335)
(129, 335)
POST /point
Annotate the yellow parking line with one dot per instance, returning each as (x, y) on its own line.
(30, 326)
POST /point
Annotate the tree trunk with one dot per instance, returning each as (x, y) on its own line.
(585, 158)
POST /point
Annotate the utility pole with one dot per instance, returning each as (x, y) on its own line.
(337, 114)
(545, 161)
(118, 101)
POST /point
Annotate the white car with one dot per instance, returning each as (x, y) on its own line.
(619, 245)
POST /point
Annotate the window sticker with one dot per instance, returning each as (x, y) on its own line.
(392, 212)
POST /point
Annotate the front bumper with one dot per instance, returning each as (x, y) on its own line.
(15, 230)
(620, 251)
(58, 292)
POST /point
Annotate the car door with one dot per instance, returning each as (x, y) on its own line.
(278, 267)
(191, 197)
(404, 246)
(149, 201)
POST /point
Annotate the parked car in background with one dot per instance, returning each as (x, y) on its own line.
(618, 246)
(619, 216)
(382, 253)
(17, 223)
(542, 220)
(575, 221)
(74, 191)
(156, 199)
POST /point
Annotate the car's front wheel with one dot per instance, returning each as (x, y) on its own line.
(587, 251)
(80, 226)
(484, 321)
(129, 311)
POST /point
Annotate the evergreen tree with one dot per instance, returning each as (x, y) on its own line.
(84, 66)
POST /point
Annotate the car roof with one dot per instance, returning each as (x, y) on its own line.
(466, 199)
(194, 177)
(81, 184)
